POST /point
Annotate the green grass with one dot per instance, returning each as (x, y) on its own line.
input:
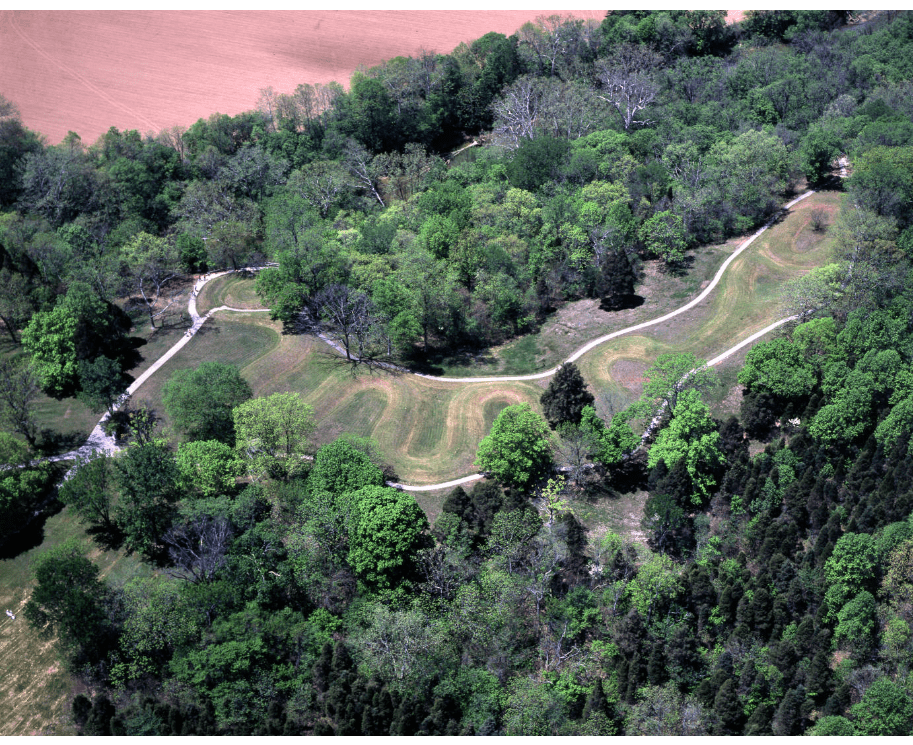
(576, 323)
(429, 430)
(746, 300)
(522, 356)
(234, 338)
(362, 411)
(233, 290)
(35, 688)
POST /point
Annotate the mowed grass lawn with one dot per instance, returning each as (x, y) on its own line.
(746, 300)
(232, 290)
(427, 430)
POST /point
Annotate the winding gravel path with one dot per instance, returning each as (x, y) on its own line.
(98, 440)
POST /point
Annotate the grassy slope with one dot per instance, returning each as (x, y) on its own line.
(233, 290)
(35, 689)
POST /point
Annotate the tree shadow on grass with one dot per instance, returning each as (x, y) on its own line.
(330, 360)
(108, 538)
(31, 535)
(51, 442)
(625, 302)
(680, 268)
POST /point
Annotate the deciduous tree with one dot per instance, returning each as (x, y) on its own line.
(90, 490)
(19, 387)
(273, 433)
(199, 402)
(691, 436)
(517, 451)
(68, 599)
(387, 531)
(147, 479)
(672, 374)
(209, 467)
(153, 263)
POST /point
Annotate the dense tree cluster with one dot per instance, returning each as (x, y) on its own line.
(297, 593)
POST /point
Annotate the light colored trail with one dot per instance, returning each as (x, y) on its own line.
(637, 327)
(715, 361)
(98, 440)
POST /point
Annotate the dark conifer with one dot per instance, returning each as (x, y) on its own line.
(758, 724)
(819, 679)
(656, 665)
(566, 396)
(616, 281)
(839, 701)
(98, 722)
(732, 438)
(458, 503)
(487, 498)
(728, 710)
(596, 702)
(788, 721)
(82, 707)
(323, 728)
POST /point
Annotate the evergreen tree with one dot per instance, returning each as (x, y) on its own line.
(820, 676)
(616, 280)
(656, 665)
(565, 397)
(788, 721)
(728, 710)
(458, 503)
(98, 722)
(758, 724)
(596, 702)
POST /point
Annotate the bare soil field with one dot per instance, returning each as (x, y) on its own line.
(87, 71)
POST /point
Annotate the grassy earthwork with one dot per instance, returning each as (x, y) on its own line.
(429, 429)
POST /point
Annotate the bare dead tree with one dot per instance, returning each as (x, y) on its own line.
(360, 166)
(267, 104)
(8, 110)
(627, 81)
(346, 313)
(569, 109)
(198, 547)
(516, 112)
(531, 106)
(551, 42)
(173, 137)
(444, 569)
(319, 184)
(19, 387)
(406, 172)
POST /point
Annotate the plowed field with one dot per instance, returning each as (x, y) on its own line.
(86, 71)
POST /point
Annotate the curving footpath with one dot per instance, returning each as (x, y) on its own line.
(98, 440)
